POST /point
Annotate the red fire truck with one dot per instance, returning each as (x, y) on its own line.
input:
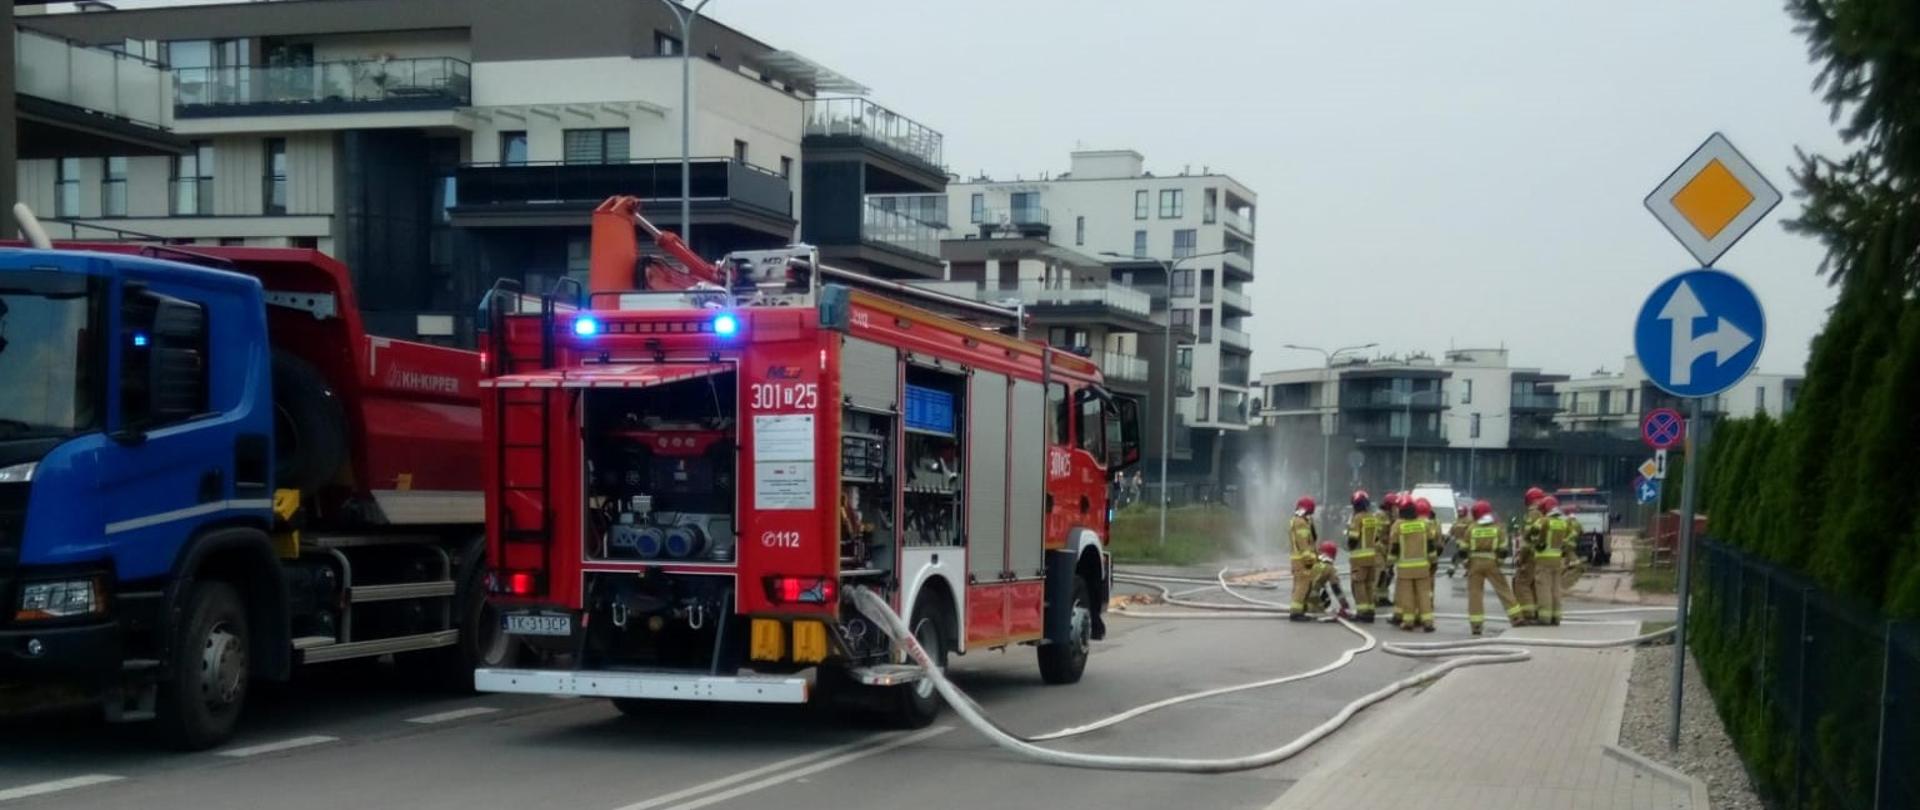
(691, 467)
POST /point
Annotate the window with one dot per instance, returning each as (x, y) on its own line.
(1182, 285)
(193, 180)
(1206, 286)
(163, 366)
(1093, 428)
(1397, 424)
(113, 188)
(1473, 426)
(786, 167)
(1206, 326)
(1183, 318)
(1172, 203)
(1139, 244)
(1026, 206)
(1210, 207)
(1184, 241)
(308, 242)
(665, 44)
(1057, 402)
(598, 145)
(1079, 231)
(66, 187)
(1760, 399)
(977, 209)
(513, 148)
(1206, 402)
(739, 150)
(1140, 204)
(274, 195)
(1466, 398)
(233, 241)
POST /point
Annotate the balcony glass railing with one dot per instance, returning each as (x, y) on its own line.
(1022, 215)
(410, 84)
(1535, 400)
(860, 118)
(1234, 220)
(1384, 398)
(1234, 299)
(97, 79)
(901, 231)
(542, 184)
(1123, 366)
(1234, 375)
(1235, 337)
(928, 208)
(1117, 297)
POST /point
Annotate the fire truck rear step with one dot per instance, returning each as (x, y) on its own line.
(654, 685)
(887, 674)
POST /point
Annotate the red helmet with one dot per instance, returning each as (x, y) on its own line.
(1390, 501)
(1305, 504)
(1360, 498)
(1548, 503)
(1422, 507)
(1534, 494)
(1329, 550)
(1481, 509)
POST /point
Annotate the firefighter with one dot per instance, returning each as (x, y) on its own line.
(1457, 535)
(1485, 547)
(1555, 533)
(1523, 558)
(1300, 541)
(1324, 590)
(1413, 553)
(1383, 583)
(1364, 532)
(1423, 510)
(1575, 563)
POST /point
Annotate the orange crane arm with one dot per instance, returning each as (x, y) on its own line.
(616, 253)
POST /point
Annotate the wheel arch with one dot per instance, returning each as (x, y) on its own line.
(241, 554)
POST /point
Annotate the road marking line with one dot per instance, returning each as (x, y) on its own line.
(57, 785)
(817, 767)
(871, 742)
(456, 714)
(268, 748)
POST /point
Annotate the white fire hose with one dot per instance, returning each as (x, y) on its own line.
(1478, 652)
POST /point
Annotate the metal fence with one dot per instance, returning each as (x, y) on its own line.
(1822, 697)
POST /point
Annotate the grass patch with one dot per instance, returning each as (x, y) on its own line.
(1650, 578)
(1195, 534)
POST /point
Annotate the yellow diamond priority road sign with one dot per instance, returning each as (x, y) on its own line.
(1712, 200)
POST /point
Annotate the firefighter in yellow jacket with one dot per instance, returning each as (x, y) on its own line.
(1301, 538)
(1557, 536)
(1323, 589)
(1485, 547)
(1415, 549)
(1364, 533)
(1523, 565)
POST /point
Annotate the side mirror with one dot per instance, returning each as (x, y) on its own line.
(1127, 413)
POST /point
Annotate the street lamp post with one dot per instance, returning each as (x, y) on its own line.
(1472, 467)
(1166, 405)
(1326, 426)
(686, 18)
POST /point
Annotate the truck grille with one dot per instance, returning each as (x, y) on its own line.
(13, 524)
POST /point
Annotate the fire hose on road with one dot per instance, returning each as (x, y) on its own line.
(1460, 654)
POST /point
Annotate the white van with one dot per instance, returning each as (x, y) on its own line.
(1446, 506)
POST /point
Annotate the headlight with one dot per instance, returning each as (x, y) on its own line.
(58, 600)
(18, 473)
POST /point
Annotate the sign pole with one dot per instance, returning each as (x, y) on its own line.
(1688, 477)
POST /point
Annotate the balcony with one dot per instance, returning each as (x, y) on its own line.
(928, 208)
(1234, 338)
(1115, 297)
(858, 123)
(724, 191)
(360, 85)
(1385, 398)
(1025, 220)
(1532, 436)
(1118, 366)
(1235, 221)
(890, 228)
(1382, 432)
(1237, 264)
(74, 100)
(1535, 401)
(1234, 375)
(1235, 303)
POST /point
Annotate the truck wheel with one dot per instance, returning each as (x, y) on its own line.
(199, 704)
(1064, 661)
(916, 704)
(309, 425)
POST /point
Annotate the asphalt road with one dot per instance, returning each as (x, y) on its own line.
(357, 737)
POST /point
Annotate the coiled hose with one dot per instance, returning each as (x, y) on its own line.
(1478, 652)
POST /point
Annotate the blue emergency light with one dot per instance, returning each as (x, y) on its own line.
(139, 340)
(585, 326)
(725, 324)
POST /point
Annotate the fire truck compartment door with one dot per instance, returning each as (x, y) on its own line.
(870, 375)
(616, 375)
(987, 453)
(1026, 502)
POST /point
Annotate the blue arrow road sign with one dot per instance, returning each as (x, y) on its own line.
(1699, 333)
(1646, 490)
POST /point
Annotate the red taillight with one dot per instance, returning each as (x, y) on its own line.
(803, 590)
(520, 583)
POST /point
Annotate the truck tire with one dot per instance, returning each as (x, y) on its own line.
(916, 704)
(200, 701)
(309, 425)
(1064, 662)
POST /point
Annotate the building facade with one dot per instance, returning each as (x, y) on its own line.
(1614, 402)
(436, 145)
(1108, 206)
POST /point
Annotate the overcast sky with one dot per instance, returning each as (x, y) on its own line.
(1462, 173)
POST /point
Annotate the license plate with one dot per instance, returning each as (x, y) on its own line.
(538, 624)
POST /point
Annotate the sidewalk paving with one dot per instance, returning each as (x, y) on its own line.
(1538, 734)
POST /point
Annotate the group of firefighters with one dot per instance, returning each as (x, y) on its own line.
(1400, 544)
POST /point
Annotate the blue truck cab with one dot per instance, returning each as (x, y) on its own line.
(136, 443)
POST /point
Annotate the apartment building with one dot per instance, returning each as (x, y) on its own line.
(436, 145)
(1612, 403)
(1110, 207)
